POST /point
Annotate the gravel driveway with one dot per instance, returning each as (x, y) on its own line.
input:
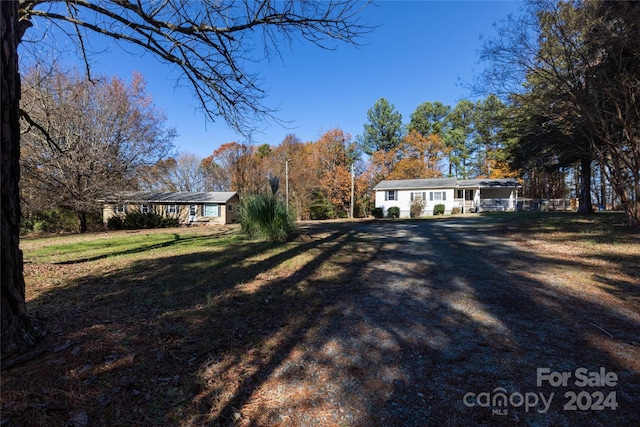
(456, 323)
(459, 321)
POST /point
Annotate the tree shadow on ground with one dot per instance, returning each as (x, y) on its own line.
(161, 319)
(500, 316)
(378, 323)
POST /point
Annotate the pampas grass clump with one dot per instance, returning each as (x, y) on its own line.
(266, 218)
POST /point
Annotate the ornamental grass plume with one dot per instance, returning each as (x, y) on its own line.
(264, 217)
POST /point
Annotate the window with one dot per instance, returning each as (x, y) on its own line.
(391, 195)
(211, 210)
(230, 208)
(120, 209)
(145, 209)
(172, 209)
(193, 210)
(437, 195)
(421, 195)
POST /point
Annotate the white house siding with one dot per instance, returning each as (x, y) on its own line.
(475, 195)
(404, 200)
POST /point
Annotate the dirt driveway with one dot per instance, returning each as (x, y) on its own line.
(457, 322)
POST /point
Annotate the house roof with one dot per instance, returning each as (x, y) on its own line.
(180, 197)
(408, 184)
(421, 184)
(489, 183)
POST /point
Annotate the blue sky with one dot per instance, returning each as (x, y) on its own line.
(421, 51)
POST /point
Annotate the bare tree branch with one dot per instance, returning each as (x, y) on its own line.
(214, 44)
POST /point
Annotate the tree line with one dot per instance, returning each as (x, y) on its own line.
(558, 119)
(570, 72)
(83, 140)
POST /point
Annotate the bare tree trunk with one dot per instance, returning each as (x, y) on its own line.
(626, 192)
(83, 221)
(585, 205)
(603, 187)
(17, 332)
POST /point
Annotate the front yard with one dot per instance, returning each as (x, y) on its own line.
(394, 322)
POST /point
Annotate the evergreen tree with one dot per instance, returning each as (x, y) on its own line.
(384, 130)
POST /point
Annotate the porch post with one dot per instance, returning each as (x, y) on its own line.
(464, 200)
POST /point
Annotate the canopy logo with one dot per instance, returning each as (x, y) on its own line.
(499, 400)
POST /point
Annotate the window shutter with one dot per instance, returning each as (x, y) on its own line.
(444, 195)
(386, 195)
(430, 195)
(424, 196)
(412, 196)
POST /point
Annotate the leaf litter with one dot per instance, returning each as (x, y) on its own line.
(360, 323)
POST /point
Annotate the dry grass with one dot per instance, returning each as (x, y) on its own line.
(363, 323)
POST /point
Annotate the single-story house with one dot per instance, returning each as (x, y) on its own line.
(190, 208)
(464, 196)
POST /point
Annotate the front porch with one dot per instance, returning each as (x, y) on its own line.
(464, 206)
(485, 205)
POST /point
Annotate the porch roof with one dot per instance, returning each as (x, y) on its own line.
(179, 197)
(489, 183)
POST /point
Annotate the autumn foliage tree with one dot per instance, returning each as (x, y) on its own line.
(335, 153)
(313, 175)
(296, 159)
(83, 139)
(419, 157)
(237, 167)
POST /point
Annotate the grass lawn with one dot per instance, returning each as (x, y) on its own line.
(199, 326)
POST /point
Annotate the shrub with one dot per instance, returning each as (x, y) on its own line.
(55, 220)
(359, 210)
(264, 217)
(321, 208)
(393, 212)
(416, 207)
(114, 223)
(456, 210)
(438, 210)
(170, 222)
(377, 212)
(134, 220)
(137, 220)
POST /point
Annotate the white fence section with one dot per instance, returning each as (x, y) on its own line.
(497, 205)
(486, 205)
(547, 205)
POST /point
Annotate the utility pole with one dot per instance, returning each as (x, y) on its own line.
(286, 178)
(352, 189)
